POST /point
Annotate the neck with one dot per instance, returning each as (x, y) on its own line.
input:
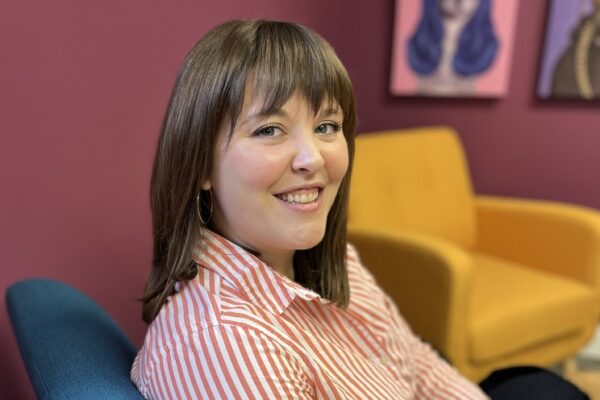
(282, 263)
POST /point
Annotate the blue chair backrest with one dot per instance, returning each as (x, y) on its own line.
(71, 347)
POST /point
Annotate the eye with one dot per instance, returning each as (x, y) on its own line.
(328, 128)
(268, 131)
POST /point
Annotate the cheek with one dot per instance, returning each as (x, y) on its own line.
(246, 169)
(336, 161)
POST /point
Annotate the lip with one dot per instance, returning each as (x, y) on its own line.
(319, 186)
(306, 207)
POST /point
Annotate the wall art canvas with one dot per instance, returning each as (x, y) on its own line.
(570, 66)
(453, 48)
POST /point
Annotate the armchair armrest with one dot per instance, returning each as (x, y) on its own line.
(554, 237)
(428, 279)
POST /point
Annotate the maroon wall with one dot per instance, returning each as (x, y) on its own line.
(516, 145)
(83, 88)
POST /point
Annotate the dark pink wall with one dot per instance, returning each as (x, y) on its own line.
(516, 145)
(83, 89)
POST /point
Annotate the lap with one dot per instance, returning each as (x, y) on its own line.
(529, 383)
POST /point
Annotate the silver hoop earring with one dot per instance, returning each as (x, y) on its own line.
(198, 210)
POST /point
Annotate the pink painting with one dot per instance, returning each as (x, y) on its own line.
(454, 48)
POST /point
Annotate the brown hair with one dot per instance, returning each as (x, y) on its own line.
(281, 58)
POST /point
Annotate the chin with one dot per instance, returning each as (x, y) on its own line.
(308, 240)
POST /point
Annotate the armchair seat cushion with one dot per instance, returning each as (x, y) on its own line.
(514, 307)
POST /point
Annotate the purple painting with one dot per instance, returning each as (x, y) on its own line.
(571, 61)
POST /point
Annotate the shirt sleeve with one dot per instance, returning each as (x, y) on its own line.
(227, 362)
(435, 378)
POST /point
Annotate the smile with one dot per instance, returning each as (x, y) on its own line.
(304, 196)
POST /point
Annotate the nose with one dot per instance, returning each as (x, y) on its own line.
(307, 157)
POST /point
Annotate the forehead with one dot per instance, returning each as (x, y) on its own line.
(256, 103)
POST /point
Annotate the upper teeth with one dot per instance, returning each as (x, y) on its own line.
(303, 197)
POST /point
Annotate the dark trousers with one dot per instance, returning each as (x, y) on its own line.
(529, 383)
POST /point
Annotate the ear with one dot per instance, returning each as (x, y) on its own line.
(206, 185)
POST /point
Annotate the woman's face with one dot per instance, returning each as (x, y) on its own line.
(457, 8)
(275, 181)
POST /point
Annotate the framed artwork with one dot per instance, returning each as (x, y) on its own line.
(455, 48)
(570, 65)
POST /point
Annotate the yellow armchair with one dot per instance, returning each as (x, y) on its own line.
(490, 282)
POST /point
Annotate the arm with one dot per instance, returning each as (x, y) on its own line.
(558, 238)
(227, 362)
(434, 378)
(428, 278)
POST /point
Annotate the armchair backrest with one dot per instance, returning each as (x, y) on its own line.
(71, 347)
(413, 179)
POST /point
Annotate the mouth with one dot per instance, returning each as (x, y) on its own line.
(300, 196)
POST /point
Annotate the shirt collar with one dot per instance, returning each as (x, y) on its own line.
(263, 285)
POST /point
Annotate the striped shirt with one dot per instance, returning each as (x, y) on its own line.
(240, 330)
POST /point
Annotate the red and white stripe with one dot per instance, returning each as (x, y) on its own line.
(240, 330)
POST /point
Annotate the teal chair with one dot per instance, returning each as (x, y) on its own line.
(72, 349)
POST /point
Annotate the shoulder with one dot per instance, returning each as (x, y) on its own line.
(367, 299)
(355, 267)
(194, 306)
(229, 353)
(209, 304)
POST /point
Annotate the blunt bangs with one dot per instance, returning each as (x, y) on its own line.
(282, 59)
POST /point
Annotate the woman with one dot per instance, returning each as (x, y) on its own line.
(254, 292)
(250, 292)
